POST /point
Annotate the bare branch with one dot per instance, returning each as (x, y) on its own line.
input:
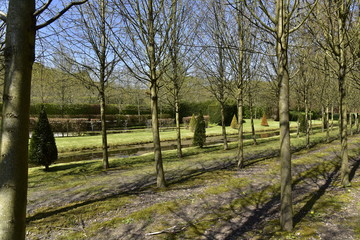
(43, 8)
(2, 16)
(305, 18)
(62, 12)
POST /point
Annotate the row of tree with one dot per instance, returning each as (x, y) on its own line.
(234, 46)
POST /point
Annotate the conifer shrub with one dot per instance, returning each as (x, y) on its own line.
(192, 123)
(200, 132)
(264, 121)
(234, 123)
(302, 122)
(43, 150)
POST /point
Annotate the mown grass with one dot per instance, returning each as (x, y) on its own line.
(75, 174)
(69, 144)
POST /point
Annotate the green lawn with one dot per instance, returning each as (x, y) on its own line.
(69, 144)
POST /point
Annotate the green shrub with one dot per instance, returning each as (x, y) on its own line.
(200, 134)
(192, 124)
(43, 150)
(234, 123)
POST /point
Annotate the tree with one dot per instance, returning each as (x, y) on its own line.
(200, 131)
(43, 150)
(332, 24)
(19, 57)
(147, 25)
(182, 30)
(281, 22)
(90, 52)
(214, 62)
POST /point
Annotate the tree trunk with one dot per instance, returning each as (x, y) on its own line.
(357, 122)
(327, 124)
(160, 177)
(286, 210)
(322, 118)
(103, 130)
(223, 127)
(332, 117)
(178, 130)
(345, 171)
(307, 125)
(102, 59)
(19, 57)
(351, 123)
(252, 121)
(240, 85)
(240, 152)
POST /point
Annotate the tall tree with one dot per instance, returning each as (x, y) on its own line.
(147, 24)
(214, 62)
(279, 19)
(89, 51)
(19, 56)
(183, 30)
(332, 24)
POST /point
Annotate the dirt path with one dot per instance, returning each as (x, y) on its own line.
(206, 214)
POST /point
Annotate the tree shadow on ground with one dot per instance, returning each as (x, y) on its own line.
(253, 215)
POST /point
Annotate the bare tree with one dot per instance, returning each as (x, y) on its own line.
(215, 63)
(147, 25)
(90, 51)
(181, 54)
(278, 19)
(332, 23)
(21, 28)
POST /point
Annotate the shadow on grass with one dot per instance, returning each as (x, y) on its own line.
(57, 168)
(255, 212)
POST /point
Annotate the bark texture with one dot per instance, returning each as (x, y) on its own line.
(19, 57)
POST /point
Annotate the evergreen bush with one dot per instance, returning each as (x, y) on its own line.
(200, 134)
(264, 121)
(43, 150)
(234, 123)
(192, 124)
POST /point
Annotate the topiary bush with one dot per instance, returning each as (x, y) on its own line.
(43, 150)
(200, 132)
(264, 121)
(234, 123)
(192, 124)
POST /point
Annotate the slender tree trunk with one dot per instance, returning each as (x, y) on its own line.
(240, 152)
(322, 118)
(160, 176)
(102, 59)
(351, 123)
(327, 124)
(298, 124)
(178, 130)
(103, 131)
(345, 171)
(307, 125)
(174, 49)
(252, 121)
(19, 57)
(357, 122)
(286, 210)
(223, 127)
(240, 86)
(332, 116)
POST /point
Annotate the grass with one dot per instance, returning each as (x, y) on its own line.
(219, 182)
(70, 144)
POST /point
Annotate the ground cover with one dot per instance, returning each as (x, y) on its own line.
(70, 144)
(207, 197)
